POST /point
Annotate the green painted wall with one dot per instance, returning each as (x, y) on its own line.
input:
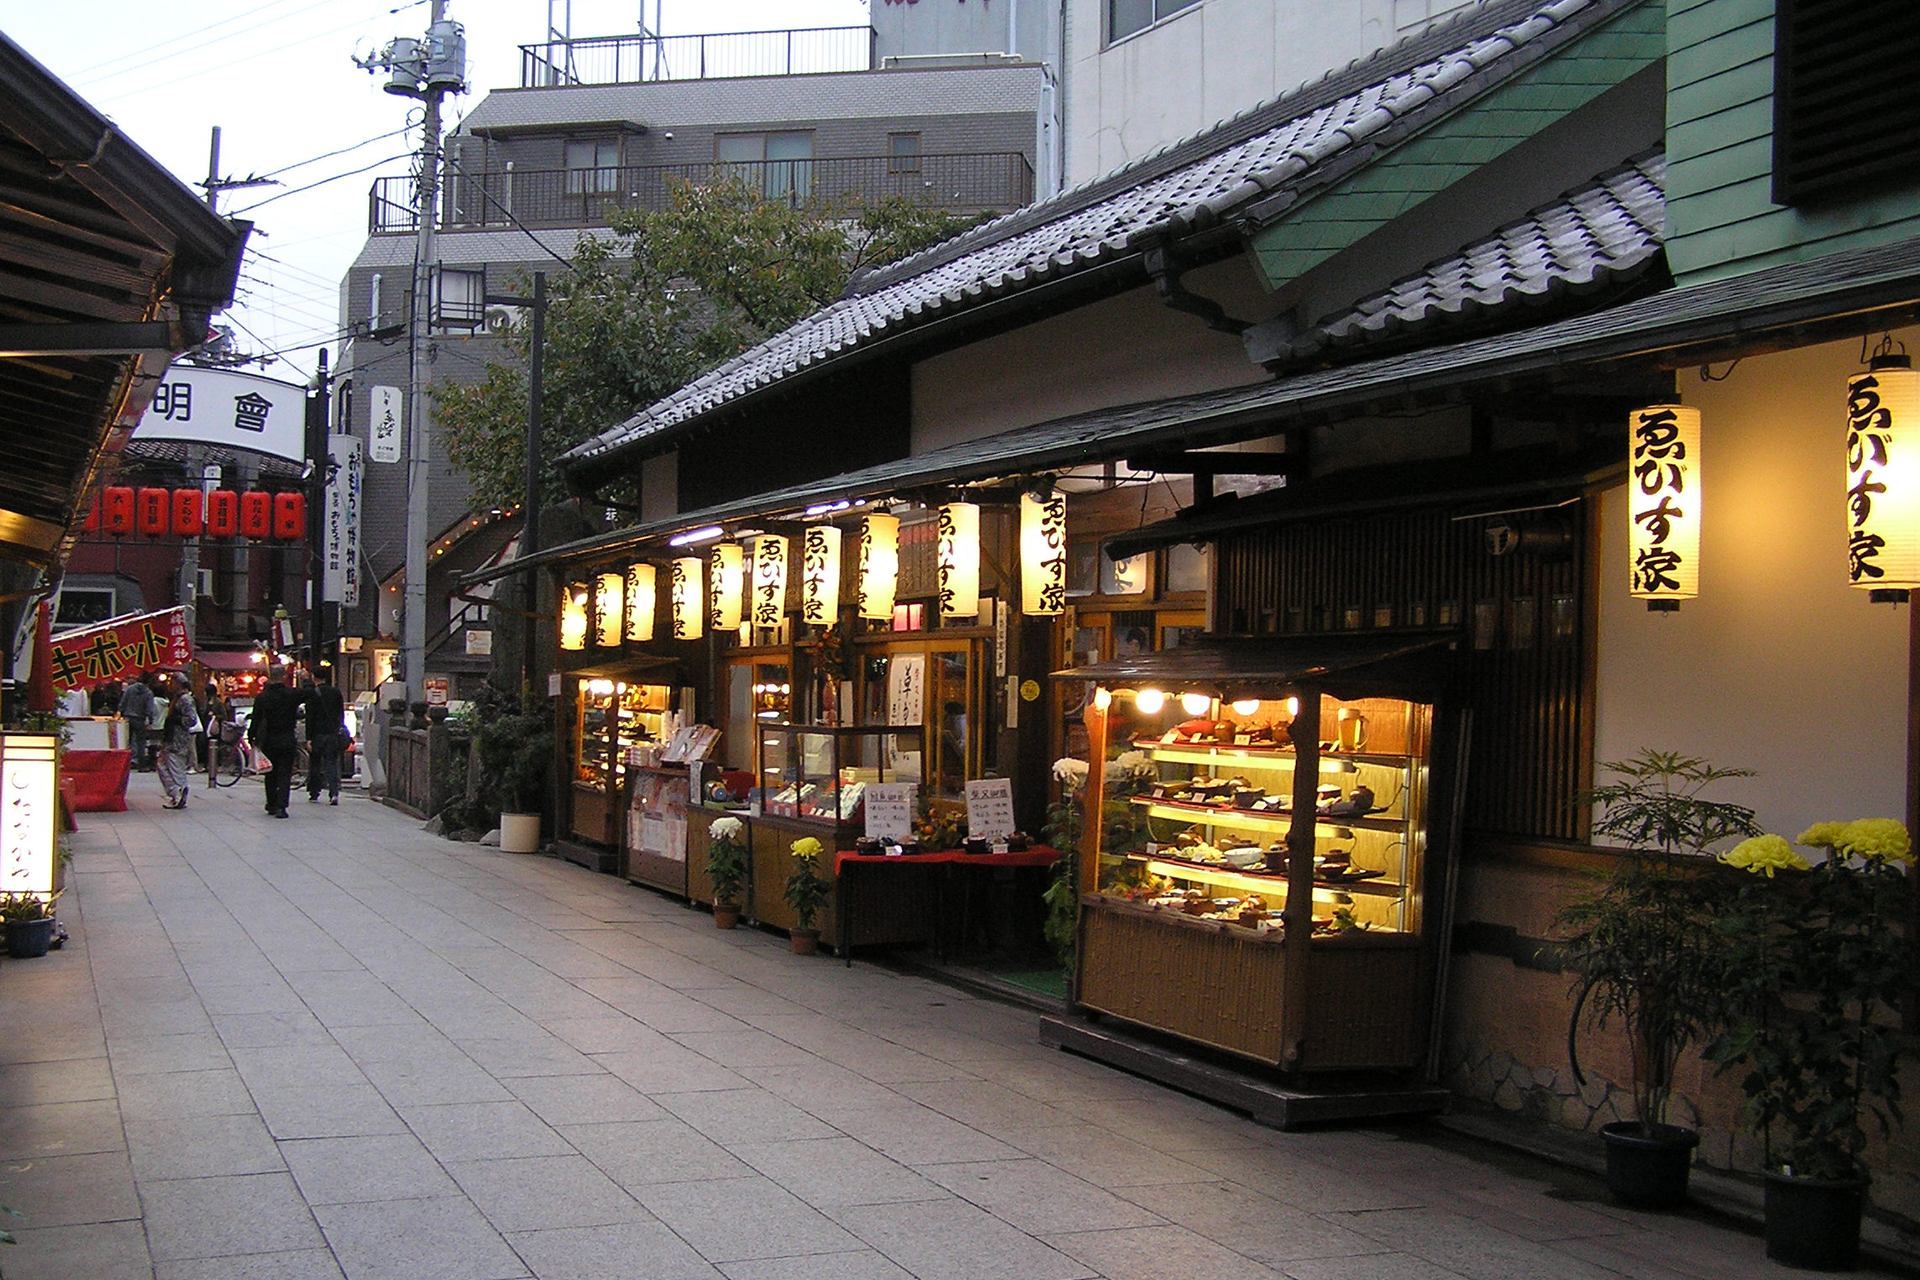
(1721, 219)
(1427, 164)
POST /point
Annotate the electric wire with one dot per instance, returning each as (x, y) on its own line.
(294, 191)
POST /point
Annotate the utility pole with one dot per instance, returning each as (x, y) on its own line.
(427, 70)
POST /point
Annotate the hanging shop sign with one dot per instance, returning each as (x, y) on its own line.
(187, 513)
(1043, 555)
(879, 565)
(340, 557)
(726, 585)
(29, 839)
(769, 580)
(573, 617)
(229, 409)
(609, 608)
(820, 575)
(1883, 478)
(689, 606)
(121, 649)
(641, 603)
(384, 425)
(957, 553)
(1663, 505)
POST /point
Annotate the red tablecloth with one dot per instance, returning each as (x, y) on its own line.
(99, 779)
(1036, 856)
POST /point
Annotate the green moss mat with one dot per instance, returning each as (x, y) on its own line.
(1048, 982)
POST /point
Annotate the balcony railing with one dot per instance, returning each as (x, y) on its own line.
(996, 181)
(634, 59)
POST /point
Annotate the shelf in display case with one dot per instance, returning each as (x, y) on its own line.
(1255, 881)
(1279, 820)
(1261, 757)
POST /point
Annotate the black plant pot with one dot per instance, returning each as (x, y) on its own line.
(1814, 1223)
(1649, 1170)
(27, 939)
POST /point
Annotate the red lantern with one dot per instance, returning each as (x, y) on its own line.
(256, 514)
(93, 515)
(188, 517)
(223, 513)
(151, 511)
(289, 515)
(116, 510)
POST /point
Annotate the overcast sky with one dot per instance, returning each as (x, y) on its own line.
(277, 77)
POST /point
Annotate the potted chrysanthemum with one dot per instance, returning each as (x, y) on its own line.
(1823, 956)
(806, 892)
(726, 868)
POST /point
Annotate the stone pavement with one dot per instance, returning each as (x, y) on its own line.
(336, 1046)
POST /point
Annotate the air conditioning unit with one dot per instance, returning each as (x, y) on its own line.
(205, 587)
(500, 319)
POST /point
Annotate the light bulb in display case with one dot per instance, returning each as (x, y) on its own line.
(1196, 704)
(1150, 701)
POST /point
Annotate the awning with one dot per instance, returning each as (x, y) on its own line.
(1398, 664)
(231, 660)
(625, 669)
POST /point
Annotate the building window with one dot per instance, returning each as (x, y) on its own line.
(1846, 121)
(459, 298)
(776, 165)
(1124, 17)
(82, 606)
(903, 153)
(593, 167)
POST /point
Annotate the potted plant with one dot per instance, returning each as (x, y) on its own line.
(1646, 955)
(512, 754)
(1824, 957)
(806, 892)
(28, 922)
(727, 869)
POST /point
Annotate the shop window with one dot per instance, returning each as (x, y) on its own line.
(1187, 569)
(915, 685)
(910, 617)
(1486, 623)
(82, 606)
(1383, 615)
(903, 153)
(776, 165)
(1417, 613)
(1846, 122)
(1124, 17)
(593, 166)
(1083, 568)
(1125, 576)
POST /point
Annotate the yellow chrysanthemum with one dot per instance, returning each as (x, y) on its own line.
(1821, 835)
(806, 847)
(1876, 839)
(1764, 855)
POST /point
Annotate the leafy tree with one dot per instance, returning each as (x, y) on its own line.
(671, 294)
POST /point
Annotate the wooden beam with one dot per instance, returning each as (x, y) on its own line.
(103, 339)
(1192, 462)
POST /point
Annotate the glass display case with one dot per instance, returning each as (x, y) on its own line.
(612, 715)
(821, 772)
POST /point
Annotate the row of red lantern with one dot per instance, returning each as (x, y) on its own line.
(188, 513)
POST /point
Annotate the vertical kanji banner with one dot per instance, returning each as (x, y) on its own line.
(121, 649)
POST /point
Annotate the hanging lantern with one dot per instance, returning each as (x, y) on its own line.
(116, 509)
(256, 514)
(573, 617)
(726, 584)
(879, 565)
(189, 512)
(609, 608)
(689, 606)
(290, 515)
(769, 580)
(1043, 555)
(1883, 479)
(820, 576)
(957, 548)
(640, 602)
(153, 509)
(223, 513)
(1663, 505)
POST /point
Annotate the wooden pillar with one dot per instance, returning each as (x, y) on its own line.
(1301, 837)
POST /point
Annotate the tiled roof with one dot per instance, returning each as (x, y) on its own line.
(1269, 154)
(1604, 232)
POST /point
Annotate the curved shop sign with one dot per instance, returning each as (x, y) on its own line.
(233, 410)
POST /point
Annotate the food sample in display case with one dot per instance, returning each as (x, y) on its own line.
(822, 772)
(1211, 798)
(613, 715)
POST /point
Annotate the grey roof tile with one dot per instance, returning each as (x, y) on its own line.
(1187, 187)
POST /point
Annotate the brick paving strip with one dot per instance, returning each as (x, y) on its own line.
(337, 1047)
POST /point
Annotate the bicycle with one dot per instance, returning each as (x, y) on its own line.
(227, 758)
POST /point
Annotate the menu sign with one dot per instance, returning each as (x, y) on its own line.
(890, 810)
(990, 808)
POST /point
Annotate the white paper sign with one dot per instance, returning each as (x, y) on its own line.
(385, 420)
(228, 408)
(890, 810)
(341, 577)
(990, 808)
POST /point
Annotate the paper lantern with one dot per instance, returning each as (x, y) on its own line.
(223, 513)
(256, 514)
(641, 604)
(116, 510)
(573, 617)
(1043, 555)
(290, 515)
(879, 565)
(1663, 504)
(1883, 478)
(153, 508)
(957, 554)
(189, 512)
(726, 585)
(689, 606)
(29, 839)
(820, 576)
(769, 580)
(609, 608)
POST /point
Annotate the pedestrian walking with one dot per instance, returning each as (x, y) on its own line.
(173, 754)
(136, 708)
(271, 728)
(326, 739)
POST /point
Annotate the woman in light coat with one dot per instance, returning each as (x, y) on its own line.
(174, 758)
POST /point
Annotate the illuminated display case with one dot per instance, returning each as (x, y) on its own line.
(821, 772)
(612, 715)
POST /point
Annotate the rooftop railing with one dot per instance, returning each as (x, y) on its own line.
(639, 58)
(977, 183)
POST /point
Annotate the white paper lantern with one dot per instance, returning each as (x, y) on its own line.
(689, 604)
(820, 576)
(641, 602)
(29, 839)
(957, 552)
(726, 584)
(573, 617)
(879, 565)
(1663, 504)
(769, 580)
(1043, 555)
(1883, 477)
(609, 608)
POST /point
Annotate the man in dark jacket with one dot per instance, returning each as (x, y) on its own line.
(271, 728)
(326, 739)
(136, 707)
